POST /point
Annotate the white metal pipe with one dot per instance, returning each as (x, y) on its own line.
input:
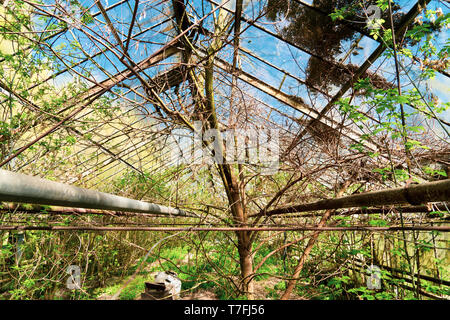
(17, 187)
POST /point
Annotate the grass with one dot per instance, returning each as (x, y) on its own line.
(199, 274)
(132, 291)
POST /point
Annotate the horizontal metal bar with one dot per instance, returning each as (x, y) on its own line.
(226, 229)
(383, 210)
(16, 187)
(9, 207)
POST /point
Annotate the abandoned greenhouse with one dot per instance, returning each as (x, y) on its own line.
(223, 150)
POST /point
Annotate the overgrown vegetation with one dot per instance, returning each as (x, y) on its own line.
(95, 99)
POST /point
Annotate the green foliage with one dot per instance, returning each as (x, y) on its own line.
(338, 282)
(135, 185)
(214, 263)
(378, 223)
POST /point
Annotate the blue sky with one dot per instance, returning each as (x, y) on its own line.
(260, 43)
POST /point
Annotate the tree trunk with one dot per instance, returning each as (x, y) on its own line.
(246, 262)
(230, 183)
(244, 240)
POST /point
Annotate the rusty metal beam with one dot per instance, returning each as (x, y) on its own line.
(226, 229)
(413, 194)
(97, 90)
(291, 101)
